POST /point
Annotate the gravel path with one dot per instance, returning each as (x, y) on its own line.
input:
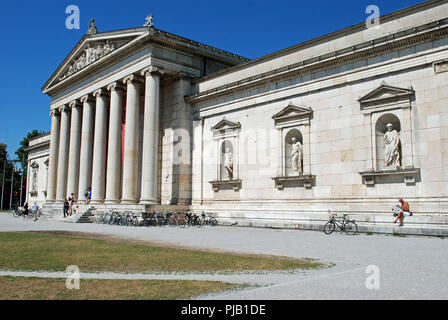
(409, 267)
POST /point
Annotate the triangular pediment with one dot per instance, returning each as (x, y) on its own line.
(92, 50)
(225, 124)
(292, 111)
(386, 92)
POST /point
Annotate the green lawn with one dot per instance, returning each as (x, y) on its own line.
(54, 251)
(40, 251)
(18, 288)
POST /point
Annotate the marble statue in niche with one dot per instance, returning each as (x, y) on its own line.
(392, 156)
(296, 156)
(228, 163)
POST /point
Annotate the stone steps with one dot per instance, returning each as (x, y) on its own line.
(86, 217)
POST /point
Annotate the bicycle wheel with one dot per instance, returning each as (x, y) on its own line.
(182, 222)
(135, 222)
(350, 227)
(15, 213)
(329, 227)
(213, 222)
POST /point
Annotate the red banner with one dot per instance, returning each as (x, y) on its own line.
(123, 125)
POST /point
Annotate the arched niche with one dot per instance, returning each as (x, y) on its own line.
(290, 135)
(380, 131)
(227, 160)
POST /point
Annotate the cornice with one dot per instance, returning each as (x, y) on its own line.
(351, 54)
(327, 37)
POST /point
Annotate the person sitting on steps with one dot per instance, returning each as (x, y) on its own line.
(404, 212)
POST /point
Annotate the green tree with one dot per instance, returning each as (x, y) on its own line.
(21, 153)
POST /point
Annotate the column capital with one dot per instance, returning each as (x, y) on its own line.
(184, 76)
(132, 79)
(74, 104)
(63, 108)
(152, 70)
(99, 92)
(115, 86)
(54, 112)
(86, 98)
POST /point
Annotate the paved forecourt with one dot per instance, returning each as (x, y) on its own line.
(409, 267)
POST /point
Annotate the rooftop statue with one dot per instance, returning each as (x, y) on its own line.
(92, 27)
(149, 21)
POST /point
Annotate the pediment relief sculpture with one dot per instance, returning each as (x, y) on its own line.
(91, 54)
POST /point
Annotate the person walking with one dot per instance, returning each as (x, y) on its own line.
(88, 195)
(71, 201)
(35, 210)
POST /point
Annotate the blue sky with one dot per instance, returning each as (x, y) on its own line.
(35, 39)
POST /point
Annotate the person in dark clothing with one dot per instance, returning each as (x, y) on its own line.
(66, 207)
(26, 211)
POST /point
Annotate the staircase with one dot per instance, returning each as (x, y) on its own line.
(87, 217)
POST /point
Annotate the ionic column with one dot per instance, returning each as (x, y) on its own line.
(85, 164)
(99, 148)
(113, 173)
(130, 165)
(150, 135)
(75, 145)
(64, 141)
(53, 157)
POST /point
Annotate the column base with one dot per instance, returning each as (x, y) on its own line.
(148, 201)
(96, 201)
(112, 201)
(128, 201)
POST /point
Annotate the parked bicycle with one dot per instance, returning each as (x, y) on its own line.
(208, 219)
(17, 211)
(344, 224)
(193, 219)
(177, 219)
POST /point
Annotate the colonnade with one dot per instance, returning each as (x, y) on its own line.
(86, 143)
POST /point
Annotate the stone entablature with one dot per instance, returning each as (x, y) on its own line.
(394, 26)
(336, 58)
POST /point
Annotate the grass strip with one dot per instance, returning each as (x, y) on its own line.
(18, 288)
(40, 251)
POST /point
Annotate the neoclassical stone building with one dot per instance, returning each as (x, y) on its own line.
(349, 121)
